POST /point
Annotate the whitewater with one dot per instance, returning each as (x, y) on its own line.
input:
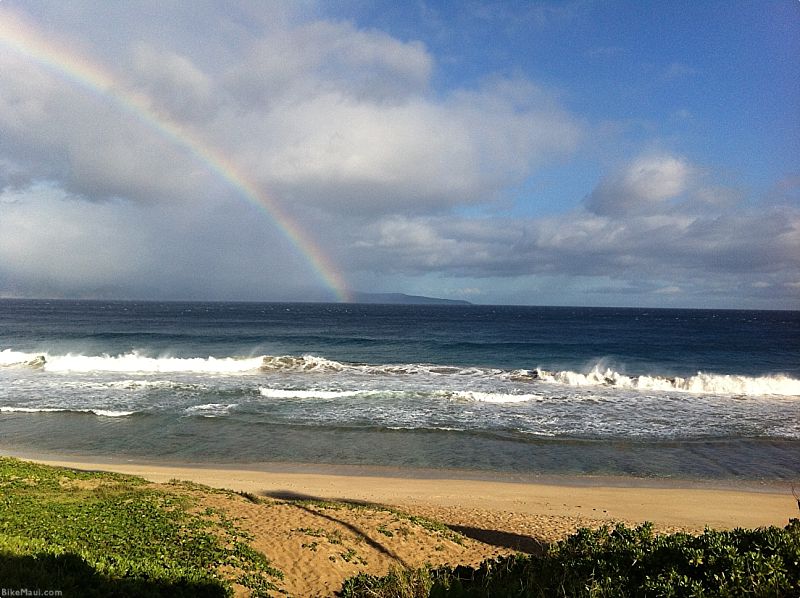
(549, 390)
(135, 362)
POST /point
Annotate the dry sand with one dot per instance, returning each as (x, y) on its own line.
(318, 546)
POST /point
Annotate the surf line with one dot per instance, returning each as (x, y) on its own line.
(26, 41)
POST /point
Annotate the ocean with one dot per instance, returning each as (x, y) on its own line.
(654, 393)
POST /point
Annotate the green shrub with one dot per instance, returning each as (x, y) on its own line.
(615, 562)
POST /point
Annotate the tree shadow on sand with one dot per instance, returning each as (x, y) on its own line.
(297, 499)
(501, 539)
(493, 537)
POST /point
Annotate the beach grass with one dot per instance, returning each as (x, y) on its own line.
(98, 534)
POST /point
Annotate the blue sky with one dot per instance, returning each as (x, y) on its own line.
(568, 153)
(716, 80)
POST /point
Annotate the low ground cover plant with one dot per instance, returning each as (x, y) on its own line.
(99, 534)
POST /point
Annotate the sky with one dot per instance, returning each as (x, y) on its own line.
(606, 153)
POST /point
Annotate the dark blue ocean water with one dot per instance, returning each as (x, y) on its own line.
(645, 392)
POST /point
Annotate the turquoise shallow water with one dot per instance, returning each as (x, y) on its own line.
(664, 393)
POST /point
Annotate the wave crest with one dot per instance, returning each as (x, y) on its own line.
(700, 383)
(133, 362)
(305, 363)
(313, 363)
(9, 358)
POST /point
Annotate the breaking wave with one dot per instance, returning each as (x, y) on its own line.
(699, 383)
(133, 362)
(9, 358)
(306, 363)
(313, 363)
(136, 362)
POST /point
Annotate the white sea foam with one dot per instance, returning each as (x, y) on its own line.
(100, 412)
(306, 363)
(31, 410)
(133, 362)
(280, 393)
(313, 363)
(211, 409)
(138, 363)
(492, 397)
(9, 358)
(437, 428)
(699, 383)
(110, 412)
(147, 384)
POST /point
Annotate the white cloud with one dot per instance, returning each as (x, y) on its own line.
(324, 57)
(642, 187)
(719, 249)
(322, 113)
(340, 152)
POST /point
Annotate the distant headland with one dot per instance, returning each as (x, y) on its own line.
(403, 299)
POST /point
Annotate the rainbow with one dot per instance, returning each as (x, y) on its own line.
(25, 40)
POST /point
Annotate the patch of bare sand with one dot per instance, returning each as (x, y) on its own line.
(318, 545)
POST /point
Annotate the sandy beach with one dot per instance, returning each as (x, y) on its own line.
(318, 545)
(681, 503)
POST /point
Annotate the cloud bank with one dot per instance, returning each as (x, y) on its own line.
(648, 228)
(349, 131)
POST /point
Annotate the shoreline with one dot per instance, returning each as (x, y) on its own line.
(501, 501)
(413, 472)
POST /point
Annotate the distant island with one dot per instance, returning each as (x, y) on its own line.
(403, 299)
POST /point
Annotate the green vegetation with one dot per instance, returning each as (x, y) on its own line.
(617, 562)
(334, 538)
(251, 497)
(100, 534)
(316, 532)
